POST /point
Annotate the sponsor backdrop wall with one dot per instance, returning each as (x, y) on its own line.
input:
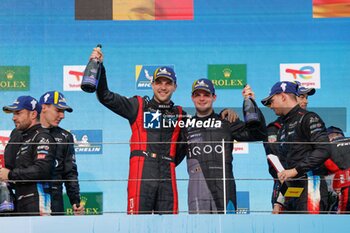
(45, 45)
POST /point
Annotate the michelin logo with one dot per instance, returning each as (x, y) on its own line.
(87, 141)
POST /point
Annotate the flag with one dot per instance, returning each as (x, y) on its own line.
(331, 8)
(134, 9)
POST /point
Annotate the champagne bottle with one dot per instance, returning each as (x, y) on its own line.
(91, 75)
(6, 201)
(250, 112)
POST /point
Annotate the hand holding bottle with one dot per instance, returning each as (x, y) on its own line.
(92, 71)
(78, 209)
(248, 92)
(250, 109)
(4, 172)
(97, 54)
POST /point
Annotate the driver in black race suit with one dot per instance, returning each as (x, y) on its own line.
(34, 159)
(272, 147)
(54, 106)
(205, 151)
(300, 160)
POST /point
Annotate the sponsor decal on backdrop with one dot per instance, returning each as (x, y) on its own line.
(72, 77)
(92, 201)
(87, 141)
(228, 76)
(243, 205)
(134, 10)
(240, 148)
(144, 76)
(4, 138)
(308, 74)
(14, 78)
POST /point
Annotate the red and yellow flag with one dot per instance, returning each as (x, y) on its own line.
(134, 9)
(331, 8)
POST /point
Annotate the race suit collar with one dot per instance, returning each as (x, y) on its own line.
(31, 129)
(212, 115)
(292, 112)
(157, 105)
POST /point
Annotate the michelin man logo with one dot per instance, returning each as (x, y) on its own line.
(149, 77)
(163, 71)
(201, 84)
(151, 120)
(33, 102)
(46, 97)
(283, 86)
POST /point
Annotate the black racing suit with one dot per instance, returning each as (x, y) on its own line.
(205, 161)
(272, 147)
(65, 169)
(34, 161)
(12, 148)
(300, 126)
(339, 164)
(152, 182)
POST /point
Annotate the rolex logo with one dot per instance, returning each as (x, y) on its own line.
(14, 78)
(227, 72)
(10, 74)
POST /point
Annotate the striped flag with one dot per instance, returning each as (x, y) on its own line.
(134, 10)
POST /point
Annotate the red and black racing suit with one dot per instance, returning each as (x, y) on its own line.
(152, 182)
(339, 162)
(301, 127)
(34, 161)
(65, 169)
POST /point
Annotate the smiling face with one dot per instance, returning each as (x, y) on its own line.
(203, 102)
(163, 89)
(303, 100)
(51, 116)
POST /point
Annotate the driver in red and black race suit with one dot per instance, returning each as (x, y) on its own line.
(339, 165)
(152, 182)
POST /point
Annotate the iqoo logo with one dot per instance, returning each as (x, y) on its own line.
(304, 72)
(207, 149)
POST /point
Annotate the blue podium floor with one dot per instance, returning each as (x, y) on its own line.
(253, 223)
